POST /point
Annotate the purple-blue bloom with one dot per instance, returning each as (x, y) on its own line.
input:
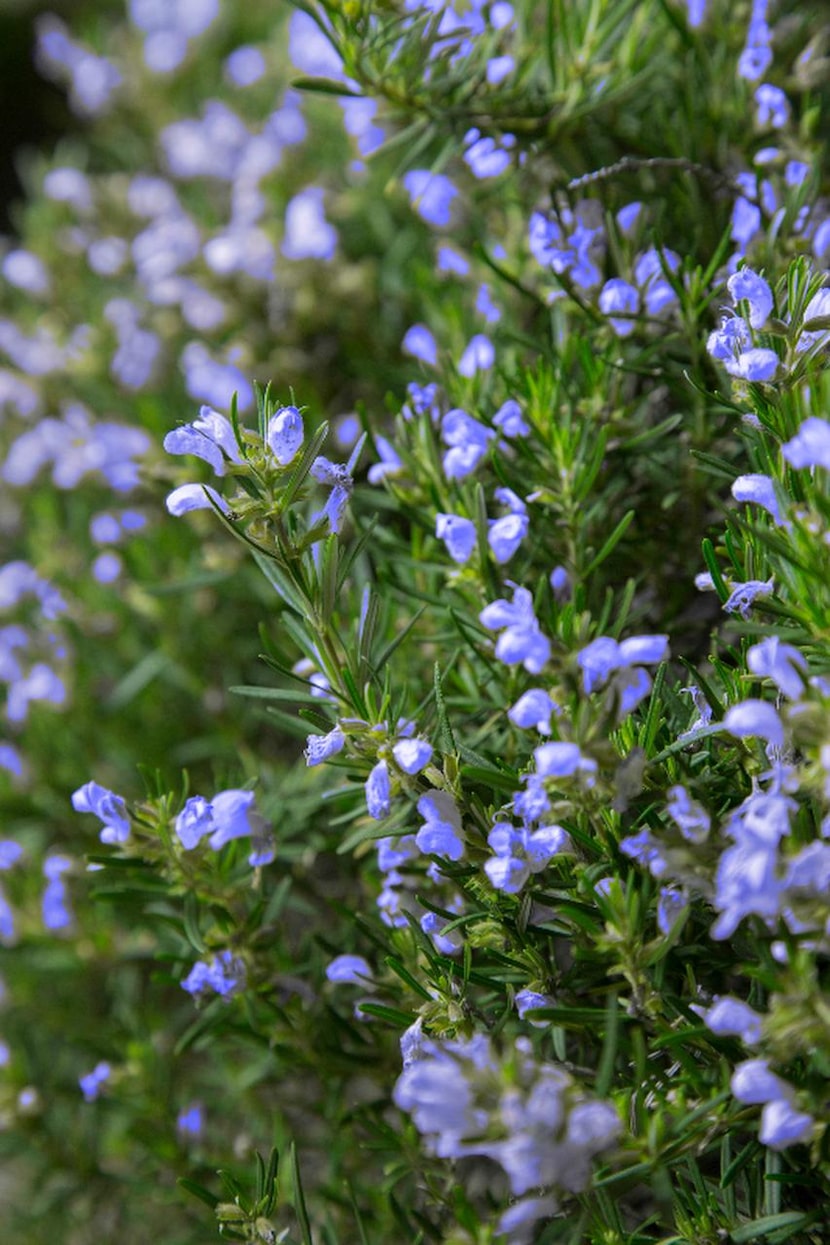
(431, 195)
(458, 534)
(619, 296)
(285, 434)
(378, 791)
(412, 755)
(308, 235)
(479, 356)
(93, 1082)
(419, 342)
(108, 807)
(810, 447)
(533, 710)
(441, 833)
(746, 285)
(468, 441)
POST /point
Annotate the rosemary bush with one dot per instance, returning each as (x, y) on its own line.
(416, 609)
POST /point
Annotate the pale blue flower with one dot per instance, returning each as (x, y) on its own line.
(93, 1082)
(510, 421)
(753, 1083)
(321, 748)
(506, 534)
(468, 441)
(245, 65)
(773, 659)
(759, 490)
(285, 433)
(108, 807)
(189, 497)
(533, 710)
(412, 755)
(484, 156)
(671, 904)
(194, 822)
(747, 286)
(431, 195)
(755, 718)
(758, 365)
(743, 596)
(231, 811)
(619, 296)
(339, 479)
(729, 1017)
(419, 342)
(810, 447)
(782, 1125)
(479, 356)
(223, 975)
(441, 833)
(378, 791)
(352, 970)
(499, 68)
(459, 535)
(518, 853)
(210, 437)
(691, 818)
(773, 107)
(528, 1000)
(390, 463)
(308, 235)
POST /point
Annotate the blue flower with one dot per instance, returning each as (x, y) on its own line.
(746, 285)
(107, 807)
(419, 342)
(190, 1120)
(194, 822)
(479, 356)
(441, 834)
(619, 296)
(459, 535)
(339, 479)
(521, 638)
(431, 195)
(285, 433)
(810, 447)
(743, 596)
(92, 1082)
(728, 1017)
(773, 107)
(350, 970)
(378, 792)
(231, 812)
(782, 1125)
(509, 420)
(308, 235)
(195, 497)
(468, 441)
(224, 975)
(210, 437)
(412, 755)
(773, 659)
(520, 852)
(691, 818)
(755, 717)
(757, 365)
(54, 907)
(759, 490)
(484, 156)
(753, 1083)
(320, 748)
(390, 461)
(533, 709)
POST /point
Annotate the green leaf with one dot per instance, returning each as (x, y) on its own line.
(784, 1226)
(610, 544)
(199, 1191)
(299, 1197)
(324, 86)
(446, 739)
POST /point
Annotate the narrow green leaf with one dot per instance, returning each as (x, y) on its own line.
(198, 1191)
(299, 1197)
(610, 544)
